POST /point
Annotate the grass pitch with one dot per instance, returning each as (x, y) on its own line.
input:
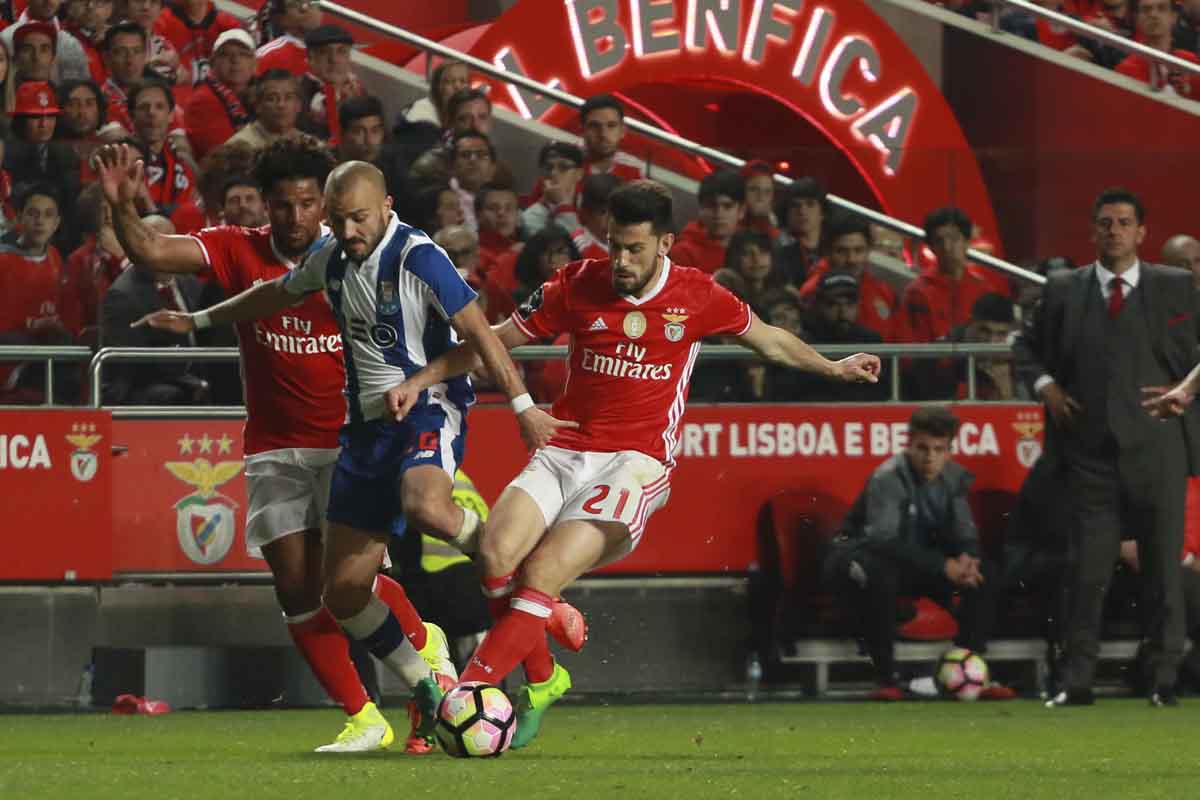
(1116, 749)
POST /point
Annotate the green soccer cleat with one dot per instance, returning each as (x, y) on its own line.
(427, 695)
(533, 701)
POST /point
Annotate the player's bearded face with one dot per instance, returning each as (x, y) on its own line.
(359, 218)
(295, 211)
(637, 254)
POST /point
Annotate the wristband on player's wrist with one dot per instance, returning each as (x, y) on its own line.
(521, 403)
(201, 320)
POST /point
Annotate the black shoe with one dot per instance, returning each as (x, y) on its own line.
(1164, 697)
(1072, 697)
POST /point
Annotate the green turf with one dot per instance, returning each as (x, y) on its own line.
(1117, 749)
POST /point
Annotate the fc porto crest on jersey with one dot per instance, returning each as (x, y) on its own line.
(388, 301)
(673, 329)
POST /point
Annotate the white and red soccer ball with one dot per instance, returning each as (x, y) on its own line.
(475, 720)
(961, 674)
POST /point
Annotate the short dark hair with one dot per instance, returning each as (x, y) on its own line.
(805, 188)
(489, 188)
(145, 85)
(643, 201)
(123, 28)
(292, 159)
(276, 75)
(841, 225)
(461, 98)
(992, 307)
(238, 180)
(424, 203)
(471, 134)
(600, 101)
(528, 266)
(28, 191)
(66, 87)
(936, 421)
(948, 215)
(722, 182)
(353, 109)
(596, 190)
(742, 241)
(774, 297)
(570, 152)
(89, 208)
(1117, 194)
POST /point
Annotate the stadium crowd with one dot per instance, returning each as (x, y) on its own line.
(197, 95)
(1171, 26)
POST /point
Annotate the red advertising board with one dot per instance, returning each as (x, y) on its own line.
(179, 498)
(56, 488)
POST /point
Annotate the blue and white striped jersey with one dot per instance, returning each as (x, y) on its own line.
(393, 310)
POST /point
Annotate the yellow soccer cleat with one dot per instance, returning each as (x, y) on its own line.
(364, 732)
(436, 653)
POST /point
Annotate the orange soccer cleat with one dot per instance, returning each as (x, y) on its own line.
(567, 625)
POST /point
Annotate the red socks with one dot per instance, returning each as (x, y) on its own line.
(323, 644)
(394, 597)
(539, 664)
(512, 638)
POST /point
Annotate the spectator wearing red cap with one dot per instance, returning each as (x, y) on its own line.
(847, 250)
(36, 52)
(561, 165)
(33, 157)
(193, 28)
(125, 47)
(290, 22)
(218, 107)
(30, 285)
(941, 298)
(70, 60)
(1155, 21)
(760, 199)
(329, 81)
(591, 237)
(702, 243)
(802, 211)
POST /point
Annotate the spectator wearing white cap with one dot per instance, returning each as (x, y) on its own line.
(218, 107)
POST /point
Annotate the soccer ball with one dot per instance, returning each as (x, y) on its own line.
(962, 674)
(475, 720)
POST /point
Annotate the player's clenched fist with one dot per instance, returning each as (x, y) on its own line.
(859, 368)
(400, 400)
(538, 427)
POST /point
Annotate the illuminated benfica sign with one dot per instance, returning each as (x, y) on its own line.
(834, 62)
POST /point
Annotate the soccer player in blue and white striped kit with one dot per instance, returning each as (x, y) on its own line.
(400, 303)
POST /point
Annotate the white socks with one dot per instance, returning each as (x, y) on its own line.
(377, 628)
(467, 539)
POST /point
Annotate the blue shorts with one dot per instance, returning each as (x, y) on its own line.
(365, 491)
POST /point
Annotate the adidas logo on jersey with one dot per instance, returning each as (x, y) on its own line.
(598, 325)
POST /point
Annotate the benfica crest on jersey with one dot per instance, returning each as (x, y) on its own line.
(674, 329)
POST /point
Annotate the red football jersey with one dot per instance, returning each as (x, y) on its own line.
(292, 364)
(194, 40)
(29, 293)
(630, 358)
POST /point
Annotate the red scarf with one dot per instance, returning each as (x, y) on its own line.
(174, 185)
(229, 100)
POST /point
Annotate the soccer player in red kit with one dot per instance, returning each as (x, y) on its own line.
(292, 366)
(636, 321)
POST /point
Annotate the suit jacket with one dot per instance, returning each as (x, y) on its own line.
(133, 295)
(1049, 341)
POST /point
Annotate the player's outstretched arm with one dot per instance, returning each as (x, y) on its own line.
(121, 176)
(782, 347)
(258, 301)
(1165, 401)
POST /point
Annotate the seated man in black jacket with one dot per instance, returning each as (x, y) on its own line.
(911, 532)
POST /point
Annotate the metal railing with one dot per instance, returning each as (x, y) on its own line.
(893, 353)
(47, 354)
(1093, 32)
(654, 132)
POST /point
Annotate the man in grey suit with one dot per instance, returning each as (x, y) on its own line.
(1097, 338)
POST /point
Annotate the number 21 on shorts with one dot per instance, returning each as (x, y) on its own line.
(612, 510)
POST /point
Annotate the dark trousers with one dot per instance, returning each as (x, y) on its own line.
(888, 579)
(1107, 504)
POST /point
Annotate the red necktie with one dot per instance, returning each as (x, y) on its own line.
(1116, 297)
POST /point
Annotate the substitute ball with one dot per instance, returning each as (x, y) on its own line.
(961, 674)
(475, 720)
